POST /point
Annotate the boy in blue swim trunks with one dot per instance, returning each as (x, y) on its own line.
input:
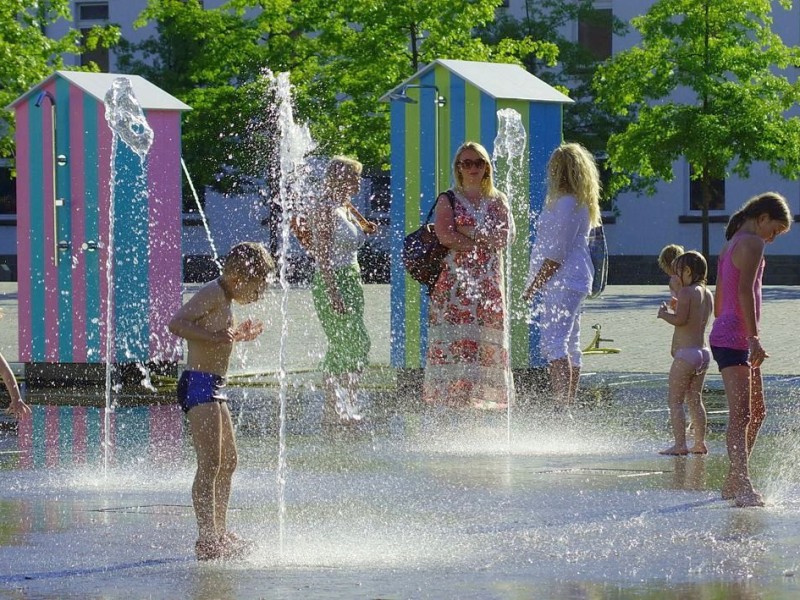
(206, 323)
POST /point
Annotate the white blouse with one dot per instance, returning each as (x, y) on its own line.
(562, 236)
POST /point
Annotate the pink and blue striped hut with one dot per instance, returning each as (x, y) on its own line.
(432, 113)
(64, 185)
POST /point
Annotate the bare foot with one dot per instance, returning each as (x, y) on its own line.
(749, 498)
(728, 489)
(208, 549)
(699, 448)
(675, 451)
(233, 546)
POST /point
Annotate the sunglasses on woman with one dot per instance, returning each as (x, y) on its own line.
(468, 163)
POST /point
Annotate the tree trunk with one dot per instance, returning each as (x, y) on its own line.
(706, 186)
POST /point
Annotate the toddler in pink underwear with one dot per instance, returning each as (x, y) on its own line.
(693, 307)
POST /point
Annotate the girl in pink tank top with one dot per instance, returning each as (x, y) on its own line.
(734, 335)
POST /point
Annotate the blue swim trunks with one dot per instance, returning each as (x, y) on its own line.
(197, 387)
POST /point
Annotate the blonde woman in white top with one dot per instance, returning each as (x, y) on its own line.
(560, 265)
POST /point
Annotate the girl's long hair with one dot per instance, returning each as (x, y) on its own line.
(771, 204)
(573, 171)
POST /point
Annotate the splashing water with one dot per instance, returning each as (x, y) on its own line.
(126, 120)
(509, 160)
(203, 217)
(295, 145)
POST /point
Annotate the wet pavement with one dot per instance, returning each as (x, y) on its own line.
(417, 503)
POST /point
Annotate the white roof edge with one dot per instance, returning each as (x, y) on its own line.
(149, 95)
(539, 91)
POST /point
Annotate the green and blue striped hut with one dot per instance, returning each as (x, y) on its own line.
(432, 113)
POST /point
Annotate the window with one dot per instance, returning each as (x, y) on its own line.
(91, 14)
(696, 194)
(8, 190)
(606, 201)
(594, 32)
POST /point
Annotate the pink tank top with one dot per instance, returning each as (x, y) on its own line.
(728, 330)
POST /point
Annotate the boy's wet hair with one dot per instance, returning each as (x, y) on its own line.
(668, 255)
(695, 262)
(249, 260)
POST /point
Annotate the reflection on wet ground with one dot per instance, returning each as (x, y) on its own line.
(417, 504)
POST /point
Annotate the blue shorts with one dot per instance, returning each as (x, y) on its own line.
(730, 357)
(197, 387)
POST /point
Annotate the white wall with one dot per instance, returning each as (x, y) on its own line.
(645, 224)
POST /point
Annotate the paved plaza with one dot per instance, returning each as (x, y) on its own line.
(627, 315)
(419, 503)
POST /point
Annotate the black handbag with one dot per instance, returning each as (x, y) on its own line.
(423, 255)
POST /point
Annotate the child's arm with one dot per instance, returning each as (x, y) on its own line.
(747, 257)
(682, 307)
(248, 330)
(185, 322)
(17, 408)
(675, 286)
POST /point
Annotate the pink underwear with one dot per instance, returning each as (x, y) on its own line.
(698, 358)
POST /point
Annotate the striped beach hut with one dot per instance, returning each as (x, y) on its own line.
(64, 189)
(432, 113)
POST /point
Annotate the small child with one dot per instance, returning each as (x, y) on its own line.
(666, 257)
(694, 306)
(206, 323)
(17, 408)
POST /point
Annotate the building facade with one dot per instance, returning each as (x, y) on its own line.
(637, 227)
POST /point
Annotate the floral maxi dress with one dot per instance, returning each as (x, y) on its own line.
(467, 362)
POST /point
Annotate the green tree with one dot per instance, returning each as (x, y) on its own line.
(390, 43)
(706, 84)
(213, 61)
(342, 56)
(546, 21)
(28, 54)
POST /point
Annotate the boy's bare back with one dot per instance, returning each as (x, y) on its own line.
(694, 308)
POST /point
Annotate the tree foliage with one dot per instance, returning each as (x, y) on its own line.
(28, 54)
(707, 83)
(547, 21)
(342, 56)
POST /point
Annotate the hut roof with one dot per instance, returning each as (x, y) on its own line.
(148, 95)
(498, 80)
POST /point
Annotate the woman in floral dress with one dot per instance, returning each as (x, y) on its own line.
(468, 362)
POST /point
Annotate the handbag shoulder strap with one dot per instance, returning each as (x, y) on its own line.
(450, 196)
